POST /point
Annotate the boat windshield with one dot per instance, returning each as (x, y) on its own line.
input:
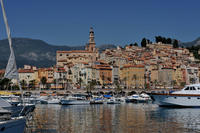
(190, 88)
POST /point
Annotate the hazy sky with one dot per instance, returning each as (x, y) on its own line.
(67, 22)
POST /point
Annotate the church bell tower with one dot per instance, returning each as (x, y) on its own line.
(91, 41)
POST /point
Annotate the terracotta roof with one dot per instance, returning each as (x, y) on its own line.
(2, 71)
(75, 51)
(25, 71)
(137, 66)
(49, 69)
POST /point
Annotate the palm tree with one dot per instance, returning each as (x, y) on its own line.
(135, 79)
(55, 83)
(32, 84)
(117, 88)
(80, 81)
(43, 81)
(124, 80)
(23, 84)
(155, 83)
(103, 78)
(173, 83)
(5, 83)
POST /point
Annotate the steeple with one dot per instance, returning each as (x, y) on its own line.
(91, 41)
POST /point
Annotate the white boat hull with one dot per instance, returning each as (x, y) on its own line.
(74, 102)
(177, 100)
(13, 125)
(54, 101)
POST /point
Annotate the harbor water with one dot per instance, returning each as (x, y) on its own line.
(118, 118)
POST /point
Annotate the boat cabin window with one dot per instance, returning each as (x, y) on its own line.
(187, 88)
(192, 88)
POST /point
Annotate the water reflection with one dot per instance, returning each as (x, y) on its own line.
(122, 118)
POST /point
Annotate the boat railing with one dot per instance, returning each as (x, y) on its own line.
(161, 92)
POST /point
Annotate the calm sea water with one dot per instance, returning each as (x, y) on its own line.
(122, 118)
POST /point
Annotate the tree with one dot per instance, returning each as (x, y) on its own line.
(32, 84)
(131, 44)
(169, 41)
(174, 83)
(155, 83)
(117, 88)
(124, 80)
(91, 85)
(80, 81)
(183, 84)
(135, 44)
(175, 44)
(164, 40)
(6, 83)
(144, 42)
(55, 83)
(135, 79)
(23, 84)
(158, 39)
(103, 78)
(43, 81)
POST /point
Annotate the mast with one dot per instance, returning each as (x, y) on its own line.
(11, 68)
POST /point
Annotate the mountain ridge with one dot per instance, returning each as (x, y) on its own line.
(35, 52)
(195, 42)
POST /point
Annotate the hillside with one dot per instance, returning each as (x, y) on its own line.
(196, 42)
(34, 52)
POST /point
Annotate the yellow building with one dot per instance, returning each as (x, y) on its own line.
(178, 77)
(42, 73)
(90, 54)
(132, 76)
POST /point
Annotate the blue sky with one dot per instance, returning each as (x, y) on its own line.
(120, 22)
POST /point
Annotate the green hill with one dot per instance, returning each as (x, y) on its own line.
(34, 52)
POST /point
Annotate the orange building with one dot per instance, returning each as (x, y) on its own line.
(104, 73)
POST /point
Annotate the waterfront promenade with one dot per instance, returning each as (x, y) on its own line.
(126, 91)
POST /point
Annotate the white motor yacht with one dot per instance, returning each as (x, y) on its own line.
(189, 96)
(75, 99)
(53, 100)
(96, 100)
(113, 100)
(133, 98)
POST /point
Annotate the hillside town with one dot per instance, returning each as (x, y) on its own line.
(155, 66)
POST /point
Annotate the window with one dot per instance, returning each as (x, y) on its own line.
(174, 97)
(60, 54)
(198, 97)
(189, 97)
(187, 88)
(192, 88)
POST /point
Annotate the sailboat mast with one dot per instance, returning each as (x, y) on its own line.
(11, 68)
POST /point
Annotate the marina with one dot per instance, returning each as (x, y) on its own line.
(105, 83)
(112, 114)
(119, 118)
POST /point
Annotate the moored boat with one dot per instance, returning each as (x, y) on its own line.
(189, 96)
(113, 100)
(96, 100)
(10, 124)
(75, 99)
